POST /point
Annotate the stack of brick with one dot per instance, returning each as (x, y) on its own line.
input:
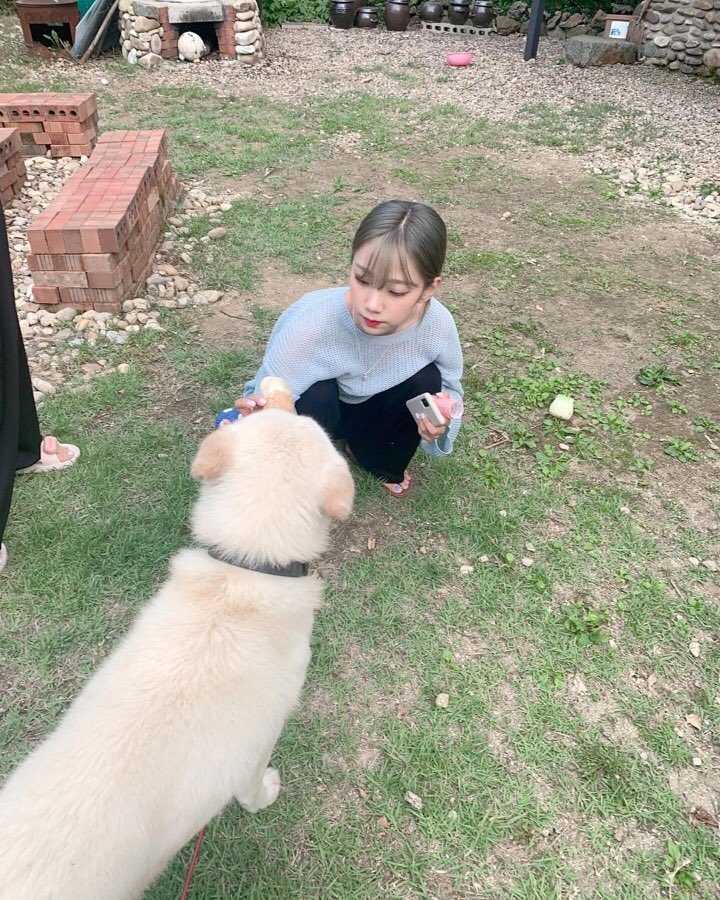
(94, 245)
(12, 166)
(65, 124)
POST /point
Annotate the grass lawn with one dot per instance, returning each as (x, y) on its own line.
(546, 577)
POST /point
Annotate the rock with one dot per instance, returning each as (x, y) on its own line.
(45, 387)
(694, 648)
(128, 306)
(191, 46)
(123, 368)
(217, 233)
(708, 564)
(243, 38)
(712, 58)
(181, 284)
(142, 23)
(442, 701)
(66, 315)
(562, 407)
(116, 337)
(204, 297)
(91, 368)
(589, 50)
(662, 40)
(597, 23)
(518, 10)
(505, 25)
(132, 57)
(48, 320)
(626, 176)
(573, 21)
(150, 60)
(156, 44)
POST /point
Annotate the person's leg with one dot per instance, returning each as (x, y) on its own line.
(322, 403)
(29, 437)
(9, 370)
(381, 433)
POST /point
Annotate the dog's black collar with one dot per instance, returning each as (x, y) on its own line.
(291, 570)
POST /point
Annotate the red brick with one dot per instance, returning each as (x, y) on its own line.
(61, 279)
(48, 295)
(37, 240)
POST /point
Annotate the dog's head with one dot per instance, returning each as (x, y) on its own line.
(270, 484)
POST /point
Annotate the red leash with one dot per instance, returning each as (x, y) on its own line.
(193, 862)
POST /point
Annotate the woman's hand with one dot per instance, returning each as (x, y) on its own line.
(428, 431)
(250, 405)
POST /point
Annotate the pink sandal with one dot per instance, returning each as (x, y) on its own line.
(53, 455)
(398, 491)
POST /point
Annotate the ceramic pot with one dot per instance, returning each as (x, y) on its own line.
(458, 13)
(397, 15)
(342, 13)
(483, 14)
(431, 11)
(367, 17)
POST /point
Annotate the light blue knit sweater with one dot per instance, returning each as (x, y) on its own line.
(316, 339)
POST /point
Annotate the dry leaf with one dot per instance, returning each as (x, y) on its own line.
(652, 679)
(694, 648)
(694, 720)
(371, 543)
(442, 700)
(363, 794)
(383, 822)
(413, 800)
(700, 816)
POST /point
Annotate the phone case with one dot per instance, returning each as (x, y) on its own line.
(424, 403)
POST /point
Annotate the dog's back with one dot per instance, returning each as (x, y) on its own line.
(161, 737)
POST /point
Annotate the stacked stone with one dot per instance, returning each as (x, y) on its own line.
(12, 165)
(148, 36)
(249, 43)
(683, 35)
(141, 36)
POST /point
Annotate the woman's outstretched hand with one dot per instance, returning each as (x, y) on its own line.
(250, 405)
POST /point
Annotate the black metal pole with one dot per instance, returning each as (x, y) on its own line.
(533, 36)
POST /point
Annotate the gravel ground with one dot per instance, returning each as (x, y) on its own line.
(677, 160)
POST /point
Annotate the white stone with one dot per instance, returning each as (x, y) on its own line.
(150, 60)
(132, 57)
(244, 26)
(244, 50)
(191, 46)
(242, 38)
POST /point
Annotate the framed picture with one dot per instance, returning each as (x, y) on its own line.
(622, 28)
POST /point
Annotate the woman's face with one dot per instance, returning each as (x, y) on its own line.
(393, 307)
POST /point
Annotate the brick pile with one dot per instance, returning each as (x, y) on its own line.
(94, 245)
(65, 124)
(12, 166)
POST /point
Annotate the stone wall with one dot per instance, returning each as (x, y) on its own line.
(683, 35)
(150, 29)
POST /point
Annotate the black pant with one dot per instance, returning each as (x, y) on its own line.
(19, 430)
(381, 432)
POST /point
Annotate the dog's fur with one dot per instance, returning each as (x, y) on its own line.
(185, 713)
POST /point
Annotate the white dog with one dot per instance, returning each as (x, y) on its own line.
(185, 713)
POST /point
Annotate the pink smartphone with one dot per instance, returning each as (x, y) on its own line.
(425, 404)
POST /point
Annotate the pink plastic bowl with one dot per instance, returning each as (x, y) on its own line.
(460, 59)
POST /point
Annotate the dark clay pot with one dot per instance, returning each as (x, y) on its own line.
(431, 11)
(483, 14)
(458, 13)
(397, 15)
(342, 13)
(367, 17)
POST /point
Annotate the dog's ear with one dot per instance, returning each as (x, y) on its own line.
(338, 490)
(214, 454)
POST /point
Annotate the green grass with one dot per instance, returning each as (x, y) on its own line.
(527, 582)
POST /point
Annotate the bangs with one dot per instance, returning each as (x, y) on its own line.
(389, 254)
